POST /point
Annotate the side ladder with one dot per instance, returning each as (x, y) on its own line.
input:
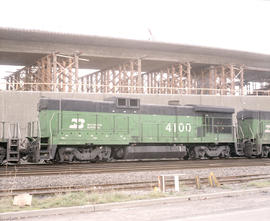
(13, 154)
(44, 149)
(13, 143)
(42, 144)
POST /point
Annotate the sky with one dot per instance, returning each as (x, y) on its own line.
(232, 24)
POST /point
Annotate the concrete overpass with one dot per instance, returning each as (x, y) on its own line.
(27, 47)
(24, 47)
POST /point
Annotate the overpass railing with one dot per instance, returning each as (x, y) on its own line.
(123, 89)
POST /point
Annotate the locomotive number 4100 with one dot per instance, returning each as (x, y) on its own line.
(180, 127)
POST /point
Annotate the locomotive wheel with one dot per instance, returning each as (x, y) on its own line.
(225, 154)
(3, 153)
(192, 155)
(106, 153)
(186, 157)
(94, 160)
(119, 153)
(248, 149)
(33, 151)
(57, 157)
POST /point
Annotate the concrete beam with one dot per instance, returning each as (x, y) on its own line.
(20, 46)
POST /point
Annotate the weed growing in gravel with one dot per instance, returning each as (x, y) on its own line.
(60, 200)
(259, 184)
(77, 199)
(226, 187)
(86, 198)
(6, 205)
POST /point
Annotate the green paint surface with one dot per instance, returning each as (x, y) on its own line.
(254, 129)
(80, 128)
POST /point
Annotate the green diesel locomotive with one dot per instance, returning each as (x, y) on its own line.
(122, 128)
(254, 133)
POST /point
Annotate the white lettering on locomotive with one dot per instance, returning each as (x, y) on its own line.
(267, 128)
(94, 126)
(77, 123)
(180, 127)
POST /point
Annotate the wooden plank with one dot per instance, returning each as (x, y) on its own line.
(76, 66)
(242, 80)
(232, 79)
(132, 76)
(188, 76)
(181, 78)
(140, 89)
(54, 71)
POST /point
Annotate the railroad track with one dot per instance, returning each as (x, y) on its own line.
(145, 185)
(118, 167)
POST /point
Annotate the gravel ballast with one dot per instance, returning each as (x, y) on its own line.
(125, 177)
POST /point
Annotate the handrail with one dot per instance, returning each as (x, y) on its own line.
(241, 131)
(128, 89)
(251, 132)
(5, 130)
(50, 127)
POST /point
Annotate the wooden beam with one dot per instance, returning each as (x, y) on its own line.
(232, 79)
(242, 80)
(140, 76)
(188, 76)
(181, 78)
(76, 60)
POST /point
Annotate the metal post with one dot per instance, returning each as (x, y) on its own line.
(163, 184)
(176, 183)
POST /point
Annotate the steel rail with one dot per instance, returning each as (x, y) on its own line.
(48, 170)
(145, 185)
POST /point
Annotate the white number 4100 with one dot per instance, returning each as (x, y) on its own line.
(181, 127)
